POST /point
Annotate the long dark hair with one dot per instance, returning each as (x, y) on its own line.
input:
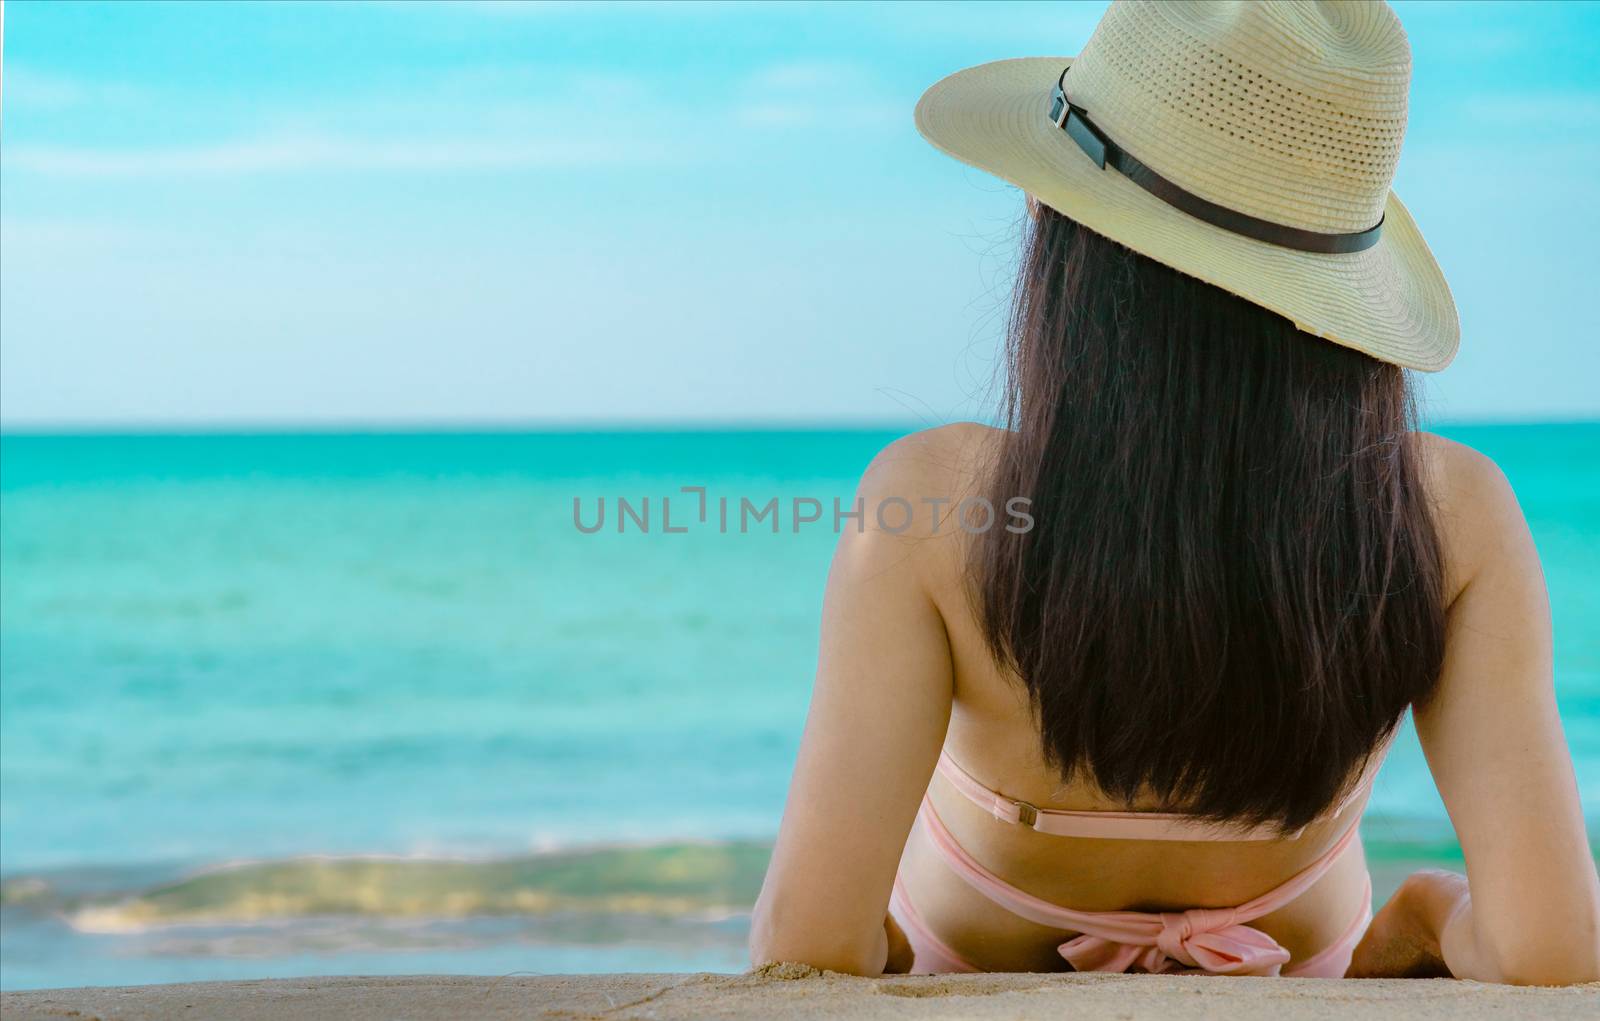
(1232, 590)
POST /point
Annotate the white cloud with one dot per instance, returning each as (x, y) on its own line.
(796, 93)
(495, 118)
(800, 113)
(1572, 111)
(44, 91)
(313, 153)
(537, 8)
(807, 75)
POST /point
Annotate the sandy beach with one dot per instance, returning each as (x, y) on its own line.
(794, 992)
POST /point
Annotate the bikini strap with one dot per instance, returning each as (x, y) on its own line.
(1102, 825)
(1117, 825)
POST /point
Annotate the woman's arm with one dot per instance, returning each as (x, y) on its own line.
(1529, 912)
(879, 711)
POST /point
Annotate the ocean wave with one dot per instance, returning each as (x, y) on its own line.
(653, 884)
(666, 881)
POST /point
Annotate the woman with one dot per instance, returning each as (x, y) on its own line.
(1132, 727)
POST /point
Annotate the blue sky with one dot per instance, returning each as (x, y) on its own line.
(499, 213)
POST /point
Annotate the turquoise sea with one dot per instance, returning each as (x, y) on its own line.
(290, 704)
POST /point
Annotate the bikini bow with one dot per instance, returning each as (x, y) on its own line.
(1208, 940)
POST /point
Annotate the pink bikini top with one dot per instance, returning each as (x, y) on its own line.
(1121, 825)
(1216, 940)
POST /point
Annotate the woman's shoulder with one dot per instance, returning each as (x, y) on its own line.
(933, 470)
(1475, 508)
(935, 460)
(911, 499)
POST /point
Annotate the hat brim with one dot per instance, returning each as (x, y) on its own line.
(1390, 301)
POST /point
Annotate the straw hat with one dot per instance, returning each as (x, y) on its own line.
(1248, 144)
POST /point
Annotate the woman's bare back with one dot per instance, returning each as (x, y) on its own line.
(993, 734)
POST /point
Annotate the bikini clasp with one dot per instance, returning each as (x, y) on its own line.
(1027, 815)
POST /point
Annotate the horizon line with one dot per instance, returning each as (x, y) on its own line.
(401, 427)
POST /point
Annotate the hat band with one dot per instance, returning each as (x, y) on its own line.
(1074, 120)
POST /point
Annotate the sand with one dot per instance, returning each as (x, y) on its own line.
(793, 992)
